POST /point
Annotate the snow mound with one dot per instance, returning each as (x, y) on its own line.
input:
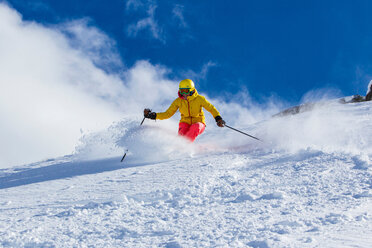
(149, 142)
(308, 184)
(330, 127)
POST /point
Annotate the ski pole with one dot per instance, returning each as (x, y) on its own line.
(242, 132)
(125, 153)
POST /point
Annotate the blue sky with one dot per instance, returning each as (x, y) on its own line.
(283, 48)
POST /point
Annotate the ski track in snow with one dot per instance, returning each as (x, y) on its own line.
(252, 197)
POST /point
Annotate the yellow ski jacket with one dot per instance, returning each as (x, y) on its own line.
(191, 109)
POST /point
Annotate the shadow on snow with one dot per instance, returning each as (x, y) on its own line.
(63, 170)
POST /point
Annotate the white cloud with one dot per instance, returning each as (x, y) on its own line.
(204, 71)
(48, 91)
(134, 4)
(146, 24)
(178, 14)
(202, 74)
(149, 23)
(92, 42)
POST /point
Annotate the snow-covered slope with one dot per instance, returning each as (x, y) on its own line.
(308, 184)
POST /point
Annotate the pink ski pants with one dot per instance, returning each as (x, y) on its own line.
(191, 131)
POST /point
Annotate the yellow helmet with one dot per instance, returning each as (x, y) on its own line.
(187, 84)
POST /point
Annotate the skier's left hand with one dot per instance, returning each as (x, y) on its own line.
(220, 121)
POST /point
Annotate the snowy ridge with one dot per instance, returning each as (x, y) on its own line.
(309, 184)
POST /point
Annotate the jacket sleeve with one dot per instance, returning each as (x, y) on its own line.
(170, 111)
(210, 108)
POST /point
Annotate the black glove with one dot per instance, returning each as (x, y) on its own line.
(148, 114)
(220, 121)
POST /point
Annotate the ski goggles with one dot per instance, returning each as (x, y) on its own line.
(184, 91)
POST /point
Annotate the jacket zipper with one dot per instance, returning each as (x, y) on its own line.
(188, 104)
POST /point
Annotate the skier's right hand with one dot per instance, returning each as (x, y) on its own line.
(148, 114)
(146, 111)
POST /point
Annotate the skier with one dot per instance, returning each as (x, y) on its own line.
(190, 104)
